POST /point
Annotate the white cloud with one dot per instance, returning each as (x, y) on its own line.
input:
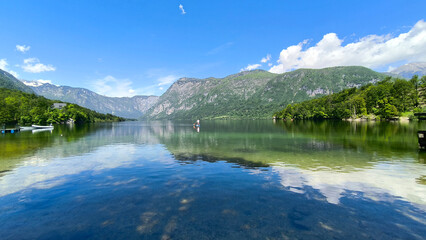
(251, 67)
(36, 83)
(3, 66)
(181, 9)
(30, 60)
(15, 74)
(166, 80)
(163, 82)
(22, 48)
(43, 81)
(33, 65)
(113, 87)
(266, 59)
(160, 79)
(371, 51)
(390, 69)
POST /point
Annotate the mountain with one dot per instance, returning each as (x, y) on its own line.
(8, 81)
(128, 107)
(410, 69)
(254, 94)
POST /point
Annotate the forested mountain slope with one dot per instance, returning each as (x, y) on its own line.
(8, 81)
(254, 94)
(386, 99)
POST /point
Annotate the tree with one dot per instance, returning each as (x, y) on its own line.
(415, 81)
(403, 92)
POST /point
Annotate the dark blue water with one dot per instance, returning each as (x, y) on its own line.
(164, 180)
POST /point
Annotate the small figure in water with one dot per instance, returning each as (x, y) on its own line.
(197, 124)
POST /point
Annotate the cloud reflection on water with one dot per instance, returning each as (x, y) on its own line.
(43, 173)
(377, 183)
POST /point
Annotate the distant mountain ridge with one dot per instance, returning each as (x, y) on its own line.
(8, 81)
(128, 107)
(254, 94)
(410, 69)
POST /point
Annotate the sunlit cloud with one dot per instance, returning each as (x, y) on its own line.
(3, 66)
(251, 67)
(390, 69)
(113, 87)
(162, 83)
(372, 51)
(166, 80)
(37, 83)
(182, 9)
(22, 48)
(33, 65)
(266, 59)
(160, 78)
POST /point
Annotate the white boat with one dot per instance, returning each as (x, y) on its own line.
(42, 127)
(42, 130)
(26, 128)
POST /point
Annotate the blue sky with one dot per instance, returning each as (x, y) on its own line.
(123, 48)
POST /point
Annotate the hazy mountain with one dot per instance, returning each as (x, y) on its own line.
(128, 107)
(254, 94)
(7, 80)
(410, 69)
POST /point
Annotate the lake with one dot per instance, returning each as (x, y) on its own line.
(226, 180)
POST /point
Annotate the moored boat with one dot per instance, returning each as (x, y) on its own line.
(42, 130)
(26, 128)
(42, 127)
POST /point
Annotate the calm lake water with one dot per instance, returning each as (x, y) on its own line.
(229, 180)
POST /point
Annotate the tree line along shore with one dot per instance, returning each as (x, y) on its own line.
(391, 98)
(17, 107)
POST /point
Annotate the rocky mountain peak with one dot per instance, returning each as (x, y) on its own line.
(410, 69)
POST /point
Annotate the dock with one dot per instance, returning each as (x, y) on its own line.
(10, 130)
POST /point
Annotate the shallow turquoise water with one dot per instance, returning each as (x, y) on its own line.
(230, 180)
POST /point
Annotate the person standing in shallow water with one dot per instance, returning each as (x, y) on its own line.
(197, 123)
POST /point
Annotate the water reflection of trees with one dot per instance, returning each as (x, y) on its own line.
(226, 140)
(16, 147)
(383, 136)
(339, 145)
